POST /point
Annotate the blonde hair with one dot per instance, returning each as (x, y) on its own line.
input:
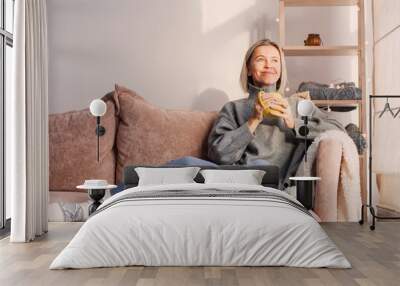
(244, 77)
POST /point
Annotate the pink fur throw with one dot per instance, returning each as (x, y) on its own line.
(338, 193)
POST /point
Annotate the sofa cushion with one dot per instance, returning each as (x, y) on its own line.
(149, 135)
(73, 148)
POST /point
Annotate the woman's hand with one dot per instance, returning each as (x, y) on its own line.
(257, 111)
(257, 116)
(280, 107)
(287, 115)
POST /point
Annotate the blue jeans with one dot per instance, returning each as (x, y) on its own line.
(118, 189)
(193, 161)
(258, 162)
(190, 161)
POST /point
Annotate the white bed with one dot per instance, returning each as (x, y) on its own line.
(266, 228)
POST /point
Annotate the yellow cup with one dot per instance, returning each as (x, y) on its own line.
(267, 111)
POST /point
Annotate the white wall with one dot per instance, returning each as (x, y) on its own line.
(179, 54)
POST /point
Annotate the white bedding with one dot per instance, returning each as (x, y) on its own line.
(182, 231)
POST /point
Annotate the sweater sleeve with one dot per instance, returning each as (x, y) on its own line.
(228, 140)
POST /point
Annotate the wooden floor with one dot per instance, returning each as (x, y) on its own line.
(375, 257)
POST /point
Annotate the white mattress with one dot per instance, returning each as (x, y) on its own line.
(200, 231)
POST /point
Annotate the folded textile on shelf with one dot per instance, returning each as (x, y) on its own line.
(320, 91)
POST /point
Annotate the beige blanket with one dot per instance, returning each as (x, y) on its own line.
(333, 156)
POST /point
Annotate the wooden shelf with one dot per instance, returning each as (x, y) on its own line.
(355, 50)
(338, 102)
(321, 50)
(299, 3)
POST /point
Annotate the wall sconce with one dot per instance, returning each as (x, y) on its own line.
(305, 108)
(98, 108)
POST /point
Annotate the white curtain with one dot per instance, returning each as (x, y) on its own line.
(27, 123)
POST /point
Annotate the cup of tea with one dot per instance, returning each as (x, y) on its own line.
(267, 111)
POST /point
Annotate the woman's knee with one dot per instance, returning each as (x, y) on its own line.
(187, 160)
(191, 160)
(259, 162)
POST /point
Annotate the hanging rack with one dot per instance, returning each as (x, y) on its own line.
(387, 107)
(369, 205)
(398, 111)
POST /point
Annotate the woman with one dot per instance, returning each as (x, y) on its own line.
(242, 135)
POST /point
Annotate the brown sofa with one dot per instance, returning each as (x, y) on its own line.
(139, 133)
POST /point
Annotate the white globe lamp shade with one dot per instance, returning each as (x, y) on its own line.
(98, 107)
(305, 108)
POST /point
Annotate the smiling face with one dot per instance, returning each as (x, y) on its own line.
(265, 66)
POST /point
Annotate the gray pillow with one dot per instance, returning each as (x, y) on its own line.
(247, 177)
(162, 176)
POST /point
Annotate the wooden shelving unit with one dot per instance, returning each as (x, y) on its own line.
(321, 51)
(338, 102)
(357, 50)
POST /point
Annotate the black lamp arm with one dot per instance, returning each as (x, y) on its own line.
(100, 131)
(303, 130)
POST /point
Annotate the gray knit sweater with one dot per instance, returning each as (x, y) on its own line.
(231, 141)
